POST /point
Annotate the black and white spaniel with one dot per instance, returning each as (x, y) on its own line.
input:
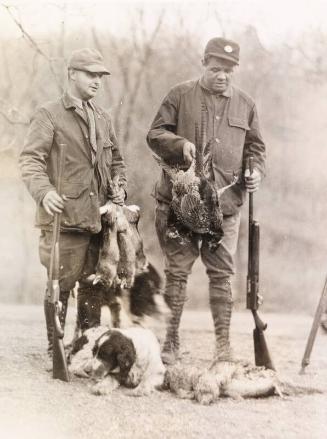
(137, 305)
(142, 301)
(127, 357)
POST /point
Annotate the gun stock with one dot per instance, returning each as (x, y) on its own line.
(59, 362)
(261, 352)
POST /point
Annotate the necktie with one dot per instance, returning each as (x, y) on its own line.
(91, 122)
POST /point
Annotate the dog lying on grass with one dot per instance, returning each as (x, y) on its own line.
(119, 357)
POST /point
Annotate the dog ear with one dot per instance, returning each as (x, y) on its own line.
(104, 351)
(125, 361)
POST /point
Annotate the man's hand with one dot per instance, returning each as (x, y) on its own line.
(252, 181)
(188, 153)
(53, 202)
(118, 196)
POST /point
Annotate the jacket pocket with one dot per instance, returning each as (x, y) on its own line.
(238, 122)
(230, 151)
(81, 208)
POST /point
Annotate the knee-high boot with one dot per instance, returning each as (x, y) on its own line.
(175, 296)
(89, 301)
(48, 312)
(221, 304)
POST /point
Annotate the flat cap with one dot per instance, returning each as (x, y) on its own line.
(222, 48)
(89, 60)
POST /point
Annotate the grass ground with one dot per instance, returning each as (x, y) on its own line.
(35, 406)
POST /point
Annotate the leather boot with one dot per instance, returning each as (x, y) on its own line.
(175, 296)
(64, 296)
(221, 304)
(89, 301)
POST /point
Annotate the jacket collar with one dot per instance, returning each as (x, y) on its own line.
(73, 102)
(227, 93)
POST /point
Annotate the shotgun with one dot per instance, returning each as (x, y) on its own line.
(59, 362)
(261, 352)
(314, 328)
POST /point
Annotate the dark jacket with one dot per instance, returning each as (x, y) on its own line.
(86, 182)
(233, 129)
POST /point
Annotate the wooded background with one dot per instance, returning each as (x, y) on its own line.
(288, 82)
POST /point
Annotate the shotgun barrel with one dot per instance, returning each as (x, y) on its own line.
(60, 369)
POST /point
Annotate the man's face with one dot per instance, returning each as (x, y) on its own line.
(85, 84)
(217, 74)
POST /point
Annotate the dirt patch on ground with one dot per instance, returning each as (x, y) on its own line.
(35, 406)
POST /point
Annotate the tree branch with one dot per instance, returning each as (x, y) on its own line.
(33, 43)
(137, 83)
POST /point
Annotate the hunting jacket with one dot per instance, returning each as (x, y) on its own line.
(230, 123)
(87, 177)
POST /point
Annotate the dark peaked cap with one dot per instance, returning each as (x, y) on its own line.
(89, 60)
(222, 48)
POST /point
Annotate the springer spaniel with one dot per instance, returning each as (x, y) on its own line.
(129, 357)
(136, 305)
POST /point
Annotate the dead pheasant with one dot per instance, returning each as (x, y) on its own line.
(195, 206)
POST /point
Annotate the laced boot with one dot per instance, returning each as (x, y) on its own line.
(89, 301)
(175, 296)
(221, 304)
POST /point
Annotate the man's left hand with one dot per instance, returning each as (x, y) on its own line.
(252, 181)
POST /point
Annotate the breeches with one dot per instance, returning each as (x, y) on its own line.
(179, 258)
(78, 256)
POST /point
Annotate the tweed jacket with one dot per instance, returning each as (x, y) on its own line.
(230, 123)
(86, 178)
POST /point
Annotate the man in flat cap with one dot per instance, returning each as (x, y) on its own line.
(92, 160)
(209, 108)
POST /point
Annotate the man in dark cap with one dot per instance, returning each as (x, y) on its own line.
(92, 160)
(226, 117)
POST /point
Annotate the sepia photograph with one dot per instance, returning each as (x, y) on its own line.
(163, 226)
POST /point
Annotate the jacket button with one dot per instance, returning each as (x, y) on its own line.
(217, 117)
(91, 194)
(217, 140)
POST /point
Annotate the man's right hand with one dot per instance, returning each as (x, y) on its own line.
(53, 202)
(188, 153)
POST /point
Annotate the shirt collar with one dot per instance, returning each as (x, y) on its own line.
(227, 93)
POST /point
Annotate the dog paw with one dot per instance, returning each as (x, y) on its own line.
(139, 391)
(105, 387)
(80, 372)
